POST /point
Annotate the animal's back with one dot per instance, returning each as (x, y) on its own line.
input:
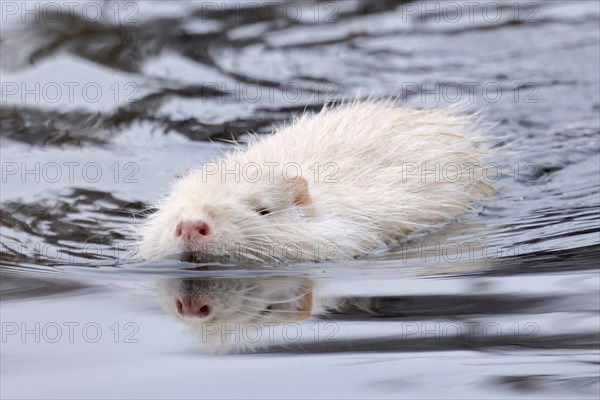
(376, 171)
(365, 139)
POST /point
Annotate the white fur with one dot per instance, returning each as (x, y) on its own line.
(375, 197)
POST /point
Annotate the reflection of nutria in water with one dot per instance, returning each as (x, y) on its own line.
(330, 186)
(222, 311)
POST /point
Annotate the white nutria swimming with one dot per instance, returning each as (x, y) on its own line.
(329, 186)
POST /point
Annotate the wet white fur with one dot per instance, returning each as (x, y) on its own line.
(376, 195)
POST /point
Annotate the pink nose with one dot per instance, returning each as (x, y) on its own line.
(192, 231)
(192, 307)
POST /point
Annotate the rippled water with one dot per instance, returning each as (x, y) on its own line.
(104, 106)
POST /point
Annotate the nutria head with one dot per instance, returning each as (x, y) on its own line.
(236, 217)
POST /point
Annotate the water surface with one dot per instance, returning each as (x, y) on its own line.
(100, 113)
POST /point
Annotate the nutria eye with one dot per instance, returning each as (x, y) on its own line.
(263, 211)
(267, 310)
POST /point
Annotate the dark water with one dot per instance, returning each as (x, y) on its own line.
(104, 105)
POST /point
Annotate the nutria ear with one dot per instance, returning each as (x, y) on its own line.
(302, 197)
(300, 307)
(305, 307)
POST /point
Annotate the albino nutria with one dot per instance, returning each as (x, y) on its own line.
(329, 186)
